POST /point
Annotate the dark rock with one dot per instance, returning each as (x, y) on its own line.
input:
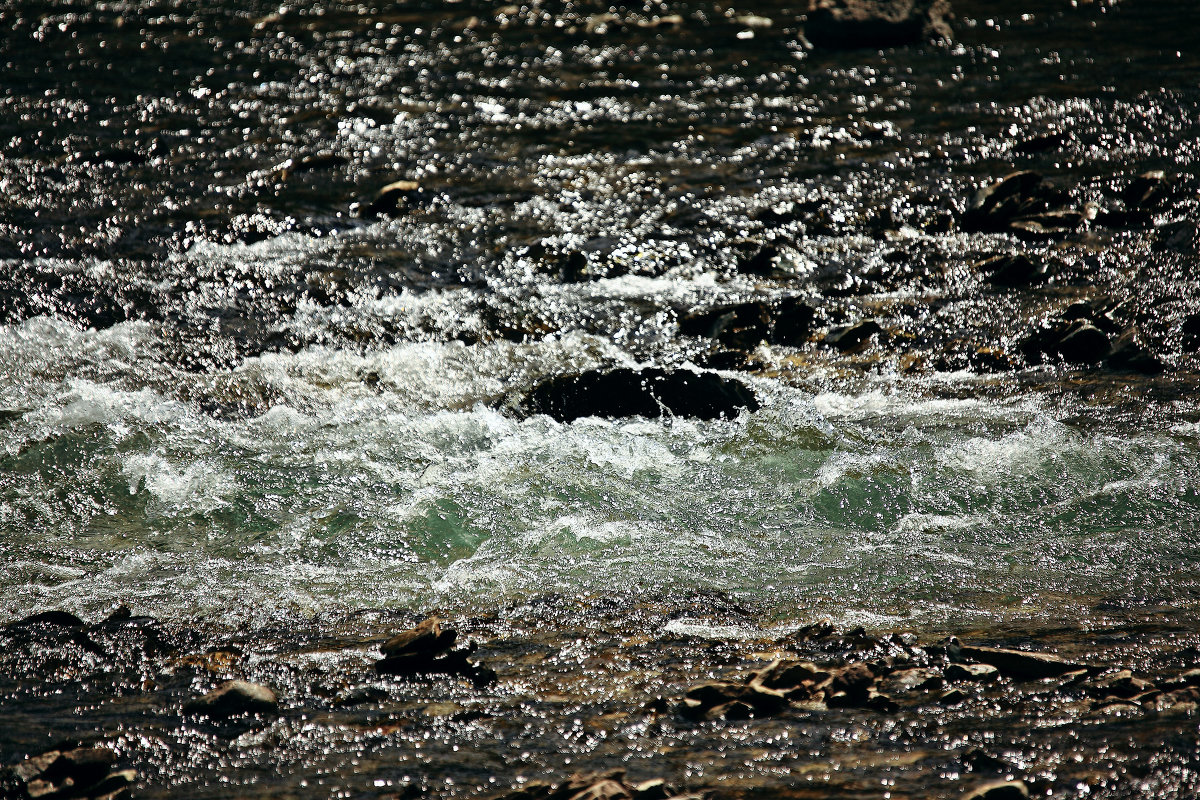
(999, 790)
(915, 679)
(952, 697)
(979, 760)
(1058, 221)
(853, 337)
(793, 322)
(842, 24)
(791, 677)
(233, 698)
(740, 326)
(315, 161)
(1042, 143)
(1185, 679)
(997, 203)
(1020, 203)
(1190, 333)
(63, 619)
(1147, 191)
(1077, 342)
(854, 680)
(396, 198)
(1130, 354)
(1083, 343)
(744, 325)
(1019, 663)
(425, 650)
(573, 268)
(649, 392)
(1012, 270)
(732, 701)
(761, 263)
(82, 772)
(1122, 684)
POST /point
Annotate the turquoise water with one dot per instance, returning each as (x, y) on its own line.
(396, 478)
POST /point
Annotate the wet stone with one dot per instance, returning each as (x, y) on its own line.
(762, 262)
(971, 672)
(424, 650)
(850, 338)
(1020, 202)
(998, 790)
(1147, 191)
(83, 772)
(1012, 270)
(234, 698)
(650, 392)
(393, 199)
(846, 24)
(1122, 684)
(1019, 663)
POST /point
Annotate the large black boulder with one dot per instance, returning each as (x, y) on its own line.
(650, 392)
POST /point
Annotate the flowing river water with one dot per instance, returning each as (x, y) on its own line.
(233, 402)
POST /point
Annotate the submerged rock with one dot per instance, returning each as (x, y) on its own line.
(84, 772)
(849, 338)
(649, 392)
(1016, 271)
(843, 24)
(740, 326)
(233, 698)
(787, 321)
(396, 198)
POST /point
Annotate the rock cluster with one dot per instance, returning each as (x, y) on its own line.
(1091, 333)
(1023, 203)
(426, 650)
(83, 772)
(606, 786)
(783, 682)
(649, 392)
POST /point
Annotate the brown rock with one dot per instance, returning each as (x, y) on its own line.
(427, 637)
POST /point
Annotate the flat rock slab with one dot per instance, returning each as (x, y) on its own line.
(650, 392)
(1021, 664)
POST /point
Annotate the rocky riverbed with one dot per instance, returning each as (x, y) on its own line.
(573, 401)
(612, 697)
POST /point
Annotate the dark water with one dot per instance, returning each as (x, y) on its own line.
(230, 399)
